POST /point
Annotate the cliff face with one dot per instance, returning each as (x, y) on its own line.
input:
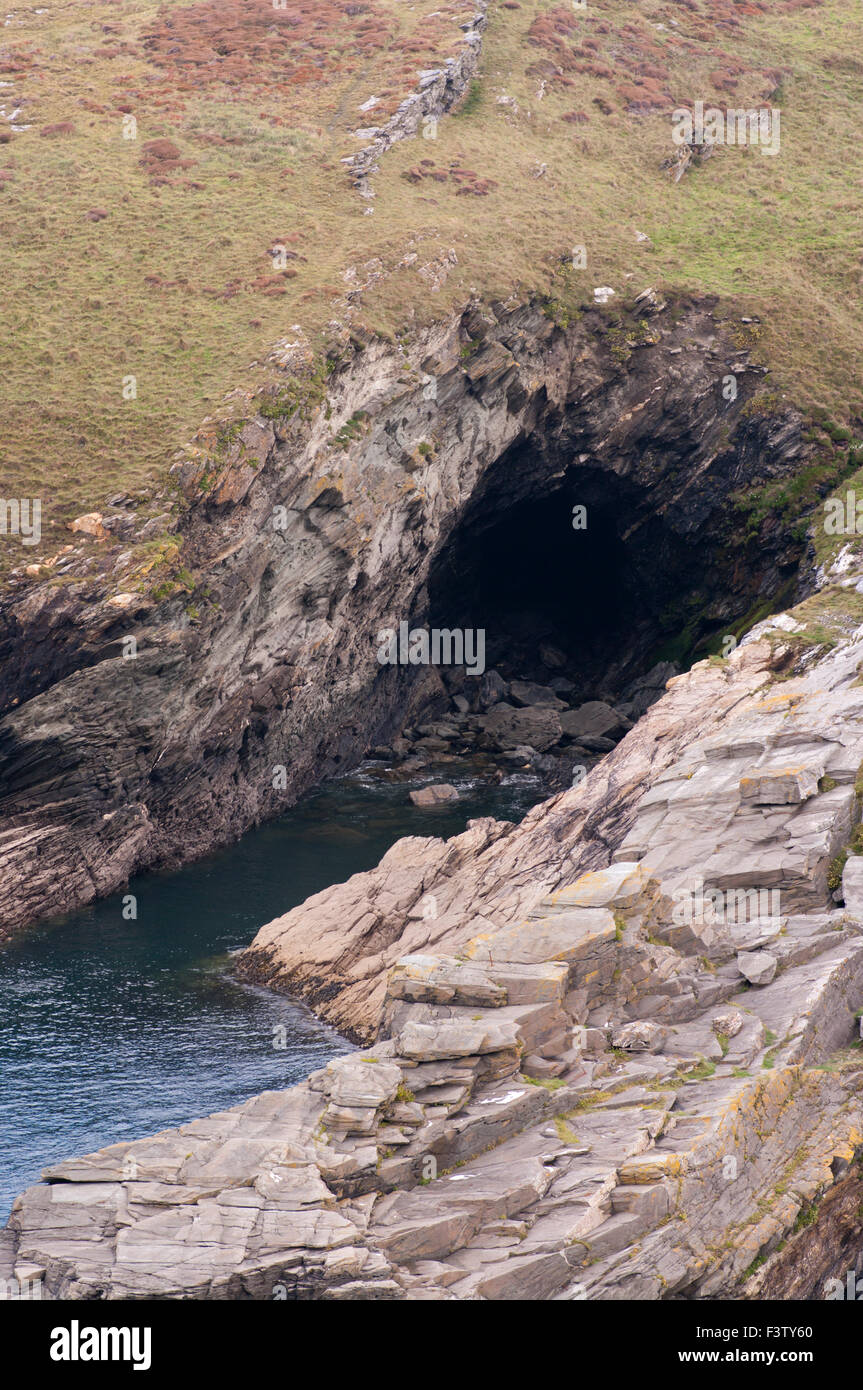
(612, 1090)
(323, 522)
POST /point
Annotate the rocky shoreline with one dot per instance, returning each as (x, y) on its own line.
(572, 1092)
(517, 725)
(610, 1052)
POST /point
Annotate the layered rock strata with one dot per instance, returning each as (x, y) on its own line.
(577, 1091)
(321, 521)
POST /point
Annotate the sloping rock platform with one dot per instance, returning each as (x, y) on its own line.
(634, 1080)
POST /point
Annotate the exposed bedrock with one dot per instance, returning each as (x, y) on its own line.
(431, 483)
(575, 1094)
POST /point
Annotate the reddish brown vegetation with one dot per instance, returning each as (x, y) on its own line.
(468, 180)
(636, 59)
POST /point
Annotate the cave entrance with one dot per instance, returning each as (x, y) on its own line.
(580, 585)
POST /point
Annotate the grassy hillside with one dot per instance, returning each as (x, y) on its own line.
(152, 257)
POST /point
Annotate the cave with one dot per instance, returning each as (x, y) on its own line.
(591, 579)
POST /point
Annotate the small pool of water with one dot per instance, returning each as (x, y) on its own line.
(114, 1029)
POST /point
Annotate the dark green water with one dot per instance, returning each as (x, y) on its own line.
(115, 1029)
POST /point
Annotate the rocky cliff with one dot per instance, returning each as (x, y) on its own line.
(144, 722)
(604, 1070)
(611, 1051)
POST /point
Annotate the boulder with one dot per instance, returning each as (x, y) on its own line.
(352, 1082)
(434, 796)
(729, 1023)
(518, 757)
(852, 885)
(492, 689)
(506, 727)
(90, 524)
(758, 967)
(639, 1036)
(595, 743)
(530, 694)
(595, 719)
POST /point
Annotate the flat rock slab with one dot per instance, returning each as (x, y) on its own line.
(566, 936)
(538, 696)
(441, 979)
(455, 1038)
(780, 786)
(349, 1081)
(534, 727)
(621, 885)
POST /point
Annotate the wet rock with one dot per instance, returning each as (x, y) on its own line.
(520, 757)
(438, 730)
(434, 796)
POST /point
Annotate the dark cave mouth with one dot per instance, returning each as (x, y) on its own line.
(585, 584)
(589, 599)
(593, 585)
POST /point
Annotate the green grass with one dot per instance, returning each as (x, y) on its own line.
(177, 288)
(550, 1083)
(702, 1072)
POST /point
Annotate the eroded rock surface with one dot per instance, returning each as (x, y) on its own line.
(326, 518)
(574, 1093)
